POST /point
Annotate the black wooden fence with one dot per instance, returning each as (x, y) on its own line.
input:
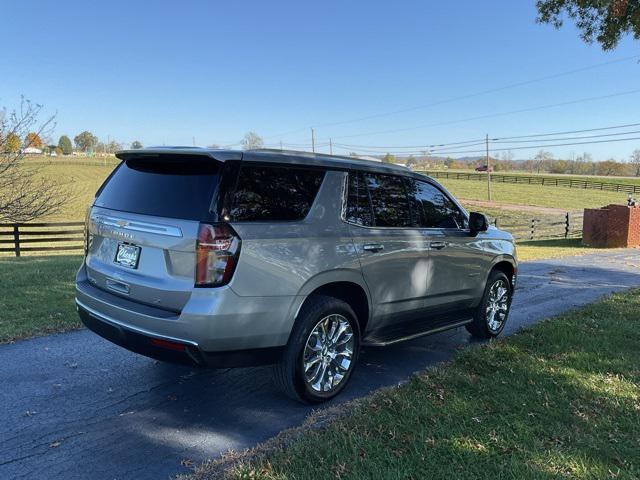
(567, 226)
(569, 182)
(17, 238)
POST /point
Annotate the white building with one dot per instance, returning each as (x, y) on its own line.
(31, 151)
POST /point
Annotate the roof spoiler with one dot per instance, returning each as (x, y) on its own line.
(159, 152)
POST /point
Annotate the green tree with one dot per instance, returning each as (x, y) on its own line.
(604, 21)
(388, 158)
(85, 141)
(12, 143)
(411, 161)
(136, 145)
(64, 143)
(252, 140)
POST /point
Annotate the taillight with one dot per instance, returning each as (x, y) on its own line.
(217, 252)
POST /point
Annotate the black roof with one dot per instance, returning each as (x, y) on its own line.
(274, 156)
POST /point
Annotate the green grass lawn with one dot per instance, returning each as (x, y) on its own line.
(37, 296)
(538, 195)
(589, 178)
(539, 249)
(81, 181)
(559, 400)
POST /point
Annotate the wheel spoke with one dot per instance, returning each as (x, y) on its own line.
(328, 353)
(310, 363)
(497, 305)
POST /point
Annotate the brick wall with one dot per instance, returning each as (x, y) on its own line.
(613, 226)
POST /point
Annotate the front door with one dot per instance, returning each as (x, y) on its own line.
(455, 258)
(393, 253)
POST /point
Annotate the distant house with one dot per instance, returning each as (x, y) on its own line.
(31, 151)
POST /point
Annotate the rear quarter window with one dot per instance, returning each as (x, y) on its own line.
(266, 193)
(172, 186)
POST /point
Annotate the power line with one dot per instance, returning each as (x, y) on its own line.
(539, 145)
(461, 97)
(468, 143)
(559, 139)
(571, 131)
(492, 115)
(481, 141)
(543, 146)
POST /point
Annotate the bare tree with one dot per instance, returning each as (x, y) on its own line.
(251, 141)
(635, 161)
(24, 195)
(541, 159)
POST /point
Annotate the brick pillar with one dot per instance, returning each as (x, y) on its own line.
(613, 226)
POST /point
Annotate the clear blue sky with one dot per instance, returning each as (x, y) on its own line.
(165, 72)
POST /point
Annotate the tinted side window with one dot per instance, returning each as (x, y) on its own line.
(389, 200)
(358, 205)
(434, 208)
(274, 193)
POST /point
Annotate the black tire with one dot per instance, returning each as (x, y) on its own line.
(480, 327)
(289, 373)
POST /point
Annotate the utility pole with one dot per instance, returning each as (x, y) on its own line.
(330, 147)
(488, 169)
(313, 140)
(280, 145)
(193, 139)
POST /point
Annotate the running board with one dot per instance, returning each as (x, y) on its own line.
(382, 342)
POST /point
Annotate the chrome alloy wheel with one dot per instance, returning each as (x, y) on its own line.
(497, 305)
(328, 353)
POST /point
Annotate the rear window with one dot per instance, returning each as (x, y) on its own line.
(265, 193)
(172, 186)
(358, 203)
(389, 200)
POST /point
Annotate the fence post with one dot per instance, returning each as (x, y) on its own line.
(566, 225)
(16, 239)
(533, 228)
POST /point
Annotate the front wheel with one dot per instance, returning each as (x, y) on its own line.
(491, 315)
(321, 353)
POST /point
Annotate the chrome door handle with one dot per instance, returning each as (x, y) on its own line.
(438, 245)
(373, 247)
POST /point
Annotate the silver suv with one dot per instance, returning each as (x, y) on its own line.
(226, 258)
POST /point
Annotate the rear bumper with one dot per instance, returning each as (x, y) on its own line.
(170, 349)
(217, 327)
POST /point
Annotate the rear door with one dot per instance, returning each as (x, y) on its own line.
(393, 254)
(144, 224)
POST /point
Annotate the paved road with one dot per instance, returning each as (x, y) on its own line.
(75, 406)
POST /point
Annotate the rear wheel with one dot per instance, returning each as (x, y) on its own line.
(322, 351)
(491, 315)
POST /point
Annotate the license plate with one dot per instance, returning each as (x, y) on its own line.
(127, 255)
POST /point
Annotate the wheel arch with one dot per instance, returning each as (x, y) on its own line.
(346, 285)
(507, 265)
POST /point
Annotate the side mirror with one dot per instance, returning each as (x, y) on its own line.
(478, 223)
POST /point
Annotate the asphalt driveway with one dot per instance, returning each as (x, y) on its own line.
(75, 406)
